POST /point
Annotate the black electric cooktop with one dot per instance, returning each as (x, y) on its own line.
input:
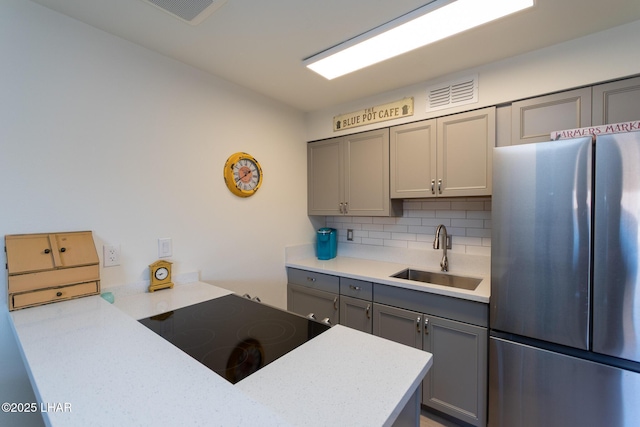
(232, 335)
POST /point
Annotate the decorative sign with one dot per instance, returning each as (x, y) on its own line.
(380, 113)
(596, 130)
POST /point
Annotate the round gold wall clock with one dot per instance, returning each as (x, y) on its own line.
(242, 174)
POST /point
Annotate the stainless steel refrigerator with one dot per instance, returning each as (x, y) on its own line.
(565, 285)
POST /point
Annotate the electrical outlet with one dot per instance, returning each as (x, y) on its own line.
(349, 234)
(111, 255)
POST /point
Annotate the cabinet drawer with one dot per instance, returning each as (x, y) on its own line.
(51, 278)
(310, 279)
(44, 296)
(356, 288)
(473, 312)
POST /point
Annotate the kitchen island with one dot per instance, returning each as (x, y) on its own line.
(93, 363)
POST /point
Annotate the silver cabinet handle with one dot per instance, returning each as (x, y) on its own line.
(418, 324)
(311, 279)
(433, 186)
(346, 207)
(426, 326)
(326, 321)
(311, 316)
(440, 186)
(341, 207)
(355, 288)
(335, 303)
(368, 311)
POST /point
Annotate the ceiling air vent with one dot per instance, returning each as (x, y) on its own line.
(190, 11)
(450, 94)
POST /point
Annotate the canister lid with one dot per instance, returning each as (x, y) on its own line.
(325, 230)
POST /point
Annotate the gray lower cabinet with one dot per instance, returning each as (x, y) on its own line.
(356, 313)
(356, 304)
(313, 293)
(457, 382)
(454, 330)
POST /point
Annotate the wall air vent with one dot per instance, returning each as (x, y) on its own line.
(450, 94)
(190, 11)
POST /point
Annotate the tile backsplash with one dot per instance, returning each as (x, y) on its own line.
(468, 220)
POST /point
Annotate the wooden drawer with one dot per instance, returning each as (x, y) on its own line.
(45, 296)
(52, 278)
(356, 288)
(310, 279)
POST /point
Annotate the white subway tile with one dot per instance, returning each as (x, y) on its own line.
(395, 228)
(396, 243)
(379, 235)
(409, 221)
(403, 236)
(373, 227)
(373, 242)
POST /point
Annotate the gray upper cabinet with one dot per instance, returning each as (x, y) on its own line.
(350, 176)
(413, 159)
(616, 102)
(445, 157)
(533, 120)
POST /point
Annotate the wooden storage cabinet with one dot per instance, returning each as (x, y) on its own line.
(50, 267)
(444, 157)
(349, 175)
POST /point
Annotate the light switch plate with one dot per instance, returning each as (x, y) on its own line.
(165, 247)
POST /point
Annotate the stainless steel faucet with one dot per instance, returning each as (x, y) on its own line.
(444, 264)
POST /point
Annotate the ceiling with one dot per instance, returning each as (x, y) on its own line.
(261, 44)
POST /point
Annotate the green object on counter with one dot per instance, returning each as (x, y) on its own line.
(108, 296)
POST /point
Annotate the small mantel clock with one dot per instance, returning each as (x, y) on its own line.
(160, 275)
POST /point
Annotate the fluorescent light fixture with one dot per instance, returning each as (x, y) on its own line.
(432, 22)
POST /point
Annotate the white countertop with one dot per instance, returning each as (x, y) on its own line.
(112, 370)
(380, 271)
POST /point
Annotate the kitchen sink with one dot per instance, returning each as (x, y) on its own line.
(443, 279)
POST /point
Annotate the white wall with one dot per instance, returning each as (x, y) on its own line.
(599, 57)
(100, 134)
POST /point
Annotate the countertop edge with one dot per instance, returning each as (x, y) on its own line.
(380, 272)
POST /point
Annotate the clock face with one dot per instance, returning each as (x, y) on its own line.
(246, 174)
(161, 273)
(242, 174)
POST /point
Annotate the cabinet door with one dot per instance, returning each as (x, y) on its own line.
(356, 313)
(367, 173)
(534, 119)
(305, 301)
(456, 384)
(74, 249)
(325, 179)
(465, 152)
(413, 160)
(28, 253)
(399, 325)
(616, 102)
